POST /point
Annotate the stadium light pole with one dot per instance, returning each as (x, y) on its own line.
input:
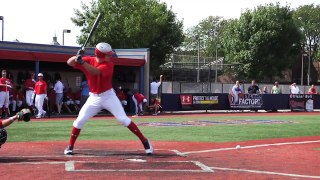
(198, 71)
(309, 64)
(302, 61)
(65, 31)
(216, 76)
(2, 19)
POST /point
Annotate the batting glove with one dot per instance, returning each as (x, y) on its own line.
(79, 59)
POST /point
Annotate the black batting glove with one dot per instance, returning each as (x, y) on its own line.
(79, 59)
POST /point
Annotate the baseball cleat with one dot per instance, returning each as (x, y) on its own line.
(68, 151)
(44, 114)
(148, 147)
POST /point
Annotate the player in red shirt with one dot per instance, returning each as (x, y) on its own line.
(156, 106)
(99, 71)
(139, 101)
(41, 93)
(29, 86)
(5, 86)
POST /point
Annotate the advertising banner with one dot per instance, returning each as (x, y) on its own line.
(245, 101)
(301, 102)
(198, 102)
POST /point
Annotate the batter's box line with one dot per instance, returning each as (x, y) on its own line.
(243, 147)
(70, 167)
(266, 172)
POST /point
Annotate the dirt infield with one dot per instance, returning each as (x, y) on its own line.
(291, 158)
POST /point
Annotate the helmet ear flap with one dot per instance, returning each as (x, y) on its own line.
(3, 136)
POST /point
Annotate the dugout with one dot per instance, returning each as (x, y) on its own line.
(131, 65)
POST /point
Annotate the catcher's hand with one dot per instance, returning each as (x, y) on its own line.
(24, 115)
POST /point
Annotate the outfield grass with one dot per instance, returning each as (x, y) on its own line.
(301, 125)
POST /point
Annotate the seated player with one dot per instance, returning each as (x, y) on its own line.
(155, 106)
(77, 98)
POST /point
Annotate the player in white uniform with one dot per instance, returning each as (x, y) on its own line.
(5, 86)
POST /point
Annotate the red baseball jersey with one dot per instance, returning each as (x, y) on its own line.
(29, 84)
(41, 87)
(139, 97)
(1, 126)
(5, 81)
(98, 83)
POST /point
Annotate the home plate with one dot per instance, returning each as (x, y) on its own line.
(137, 160)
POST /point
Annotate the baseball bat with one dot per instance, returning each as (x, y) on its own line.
(94, 27)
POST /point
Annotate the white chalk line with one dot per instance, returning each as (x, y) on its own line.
(244, 147)
(70, 166)
(265, 172)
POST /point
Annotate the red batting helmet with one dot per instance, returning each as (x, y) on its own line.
(103, 49)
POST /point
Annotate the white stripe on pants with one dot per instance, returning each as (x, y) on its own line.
(96, 102)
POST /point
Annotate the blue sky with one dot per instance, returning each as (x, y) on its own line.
(37, 21)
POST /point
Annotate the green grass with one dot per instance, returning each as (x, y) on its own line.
(304, 125)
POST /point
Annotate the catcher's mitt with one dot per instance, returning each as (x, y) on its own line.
(24, 115)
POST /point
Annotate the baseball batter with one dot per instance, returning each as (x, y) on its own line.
(5, 86)
(99, 71)
(29, 85)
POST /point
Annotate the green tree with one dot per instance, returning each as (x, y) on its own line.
(308, 18)
(262, 41)
(132, 24)
(206, 33)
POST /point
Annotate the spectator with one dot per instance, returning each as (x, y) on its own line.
(312, 90)
(294, 89)
(84, 87)
(154, 87)
(276, 89)
(41, 93)
(265, 90)
(58, 88)
(121, 95)
(253, 88)
(139, 101)
(236, 91)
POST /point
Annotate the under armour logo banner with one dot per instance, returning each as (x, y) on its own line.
(186, 99)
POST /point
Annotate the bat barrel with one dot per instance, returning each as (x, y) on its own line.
(94, 27)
